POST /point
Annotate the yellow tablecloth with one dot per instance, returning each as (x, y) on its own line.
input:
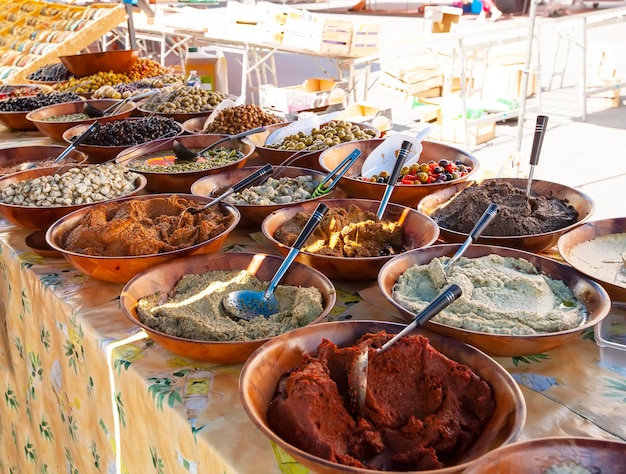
(84, 391)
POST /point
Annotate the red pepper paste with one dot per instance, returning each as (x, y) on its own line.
(422, 411)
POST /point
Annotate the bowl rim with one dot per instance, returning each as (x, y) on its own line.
(140, 180)
(337, 258)
(590, 224)
(475, 167)
(586, 324)
(163, 141)
(30, 114)
(496, 238)
(135, 320)
(248, 366)
(145, 197)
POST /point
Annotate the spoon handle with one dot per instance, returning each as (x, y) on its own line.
(245, 133)
(402, 154)
(305, 233)
(478, 229)
(81, 138)
(442, 301)
(540, 129)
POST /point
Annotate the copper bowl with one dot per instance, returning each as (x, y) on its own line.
(37, 156)
(587, 233)
(304, 159)
(99, 153)
(120, 269)
(537, 456)
(262, 371)
(86, 64)
(418, 231)
(531, 243)
(588, 292)
(405, 194)
(180, 182)
(196, 125)
(164, 277)
(56, 129)
(252, 215)
(16, 120)
(37, 218)
(8, 90)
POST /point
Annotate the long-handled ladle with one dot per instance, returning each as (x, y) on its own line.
(357, 379)
(185, 154)
(249, 304)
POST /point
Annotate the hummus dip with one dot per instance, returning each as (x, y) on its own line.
(193, 309)
(501, 295)
(603, 258)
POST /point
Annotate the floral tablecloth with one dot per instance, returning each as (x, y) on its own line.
(85, 392)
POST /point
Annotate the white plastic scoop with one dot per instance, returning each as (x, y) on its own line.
(383, 157)
(305, 125)
(225, 104)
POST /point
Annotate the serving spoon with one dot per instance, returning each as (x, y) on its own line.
(402, 154)
(185, 154)
(357, 379)
(249, 304)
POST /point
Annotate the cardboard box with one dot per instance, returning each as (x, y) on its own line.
(330, 36)
(314, 93)
(442, 19)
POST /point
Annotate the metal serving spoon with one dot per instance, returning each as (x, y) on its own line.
(249, 304)
(185, 154)
(358, 370)
(397, 167)
(540, 129)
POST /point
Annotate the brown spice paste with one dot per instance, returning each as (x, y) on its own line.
(136, 227)
(423, 410)
(350, 232)
(518, 215)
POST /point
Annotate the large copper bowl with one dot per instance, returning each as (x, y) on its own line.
(17, 120)
(587, 233)
(252, 215)
(261, 373)
(531, 243)
(418, 231)
(38, 218)
(304, 159)
(100, 153)
(11, 90)
(180, 182)
(588, 292)
(121, 269)
(164, 277)
(405, 194)
(55, 129)
(537, 456)
(86, 64)
(36, 156)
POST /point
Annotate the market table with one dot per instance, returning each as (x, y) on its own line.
(85, 391)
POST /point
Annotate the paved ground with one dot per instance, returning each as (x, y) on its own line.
(587, 154)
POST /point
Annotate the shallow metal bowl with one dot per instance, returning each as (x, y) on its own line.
(252, 215)
(120, 269)
(588, 292)
(405, 194)
(56, 129)
(36, 156)
(531, 243)
(86, 64)
(164, 277)
(99, 153)
(262, 371)
(537, 456)
(587, 233)
(304, 159)
(37, 218)
(418, 231)
(180, 182)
